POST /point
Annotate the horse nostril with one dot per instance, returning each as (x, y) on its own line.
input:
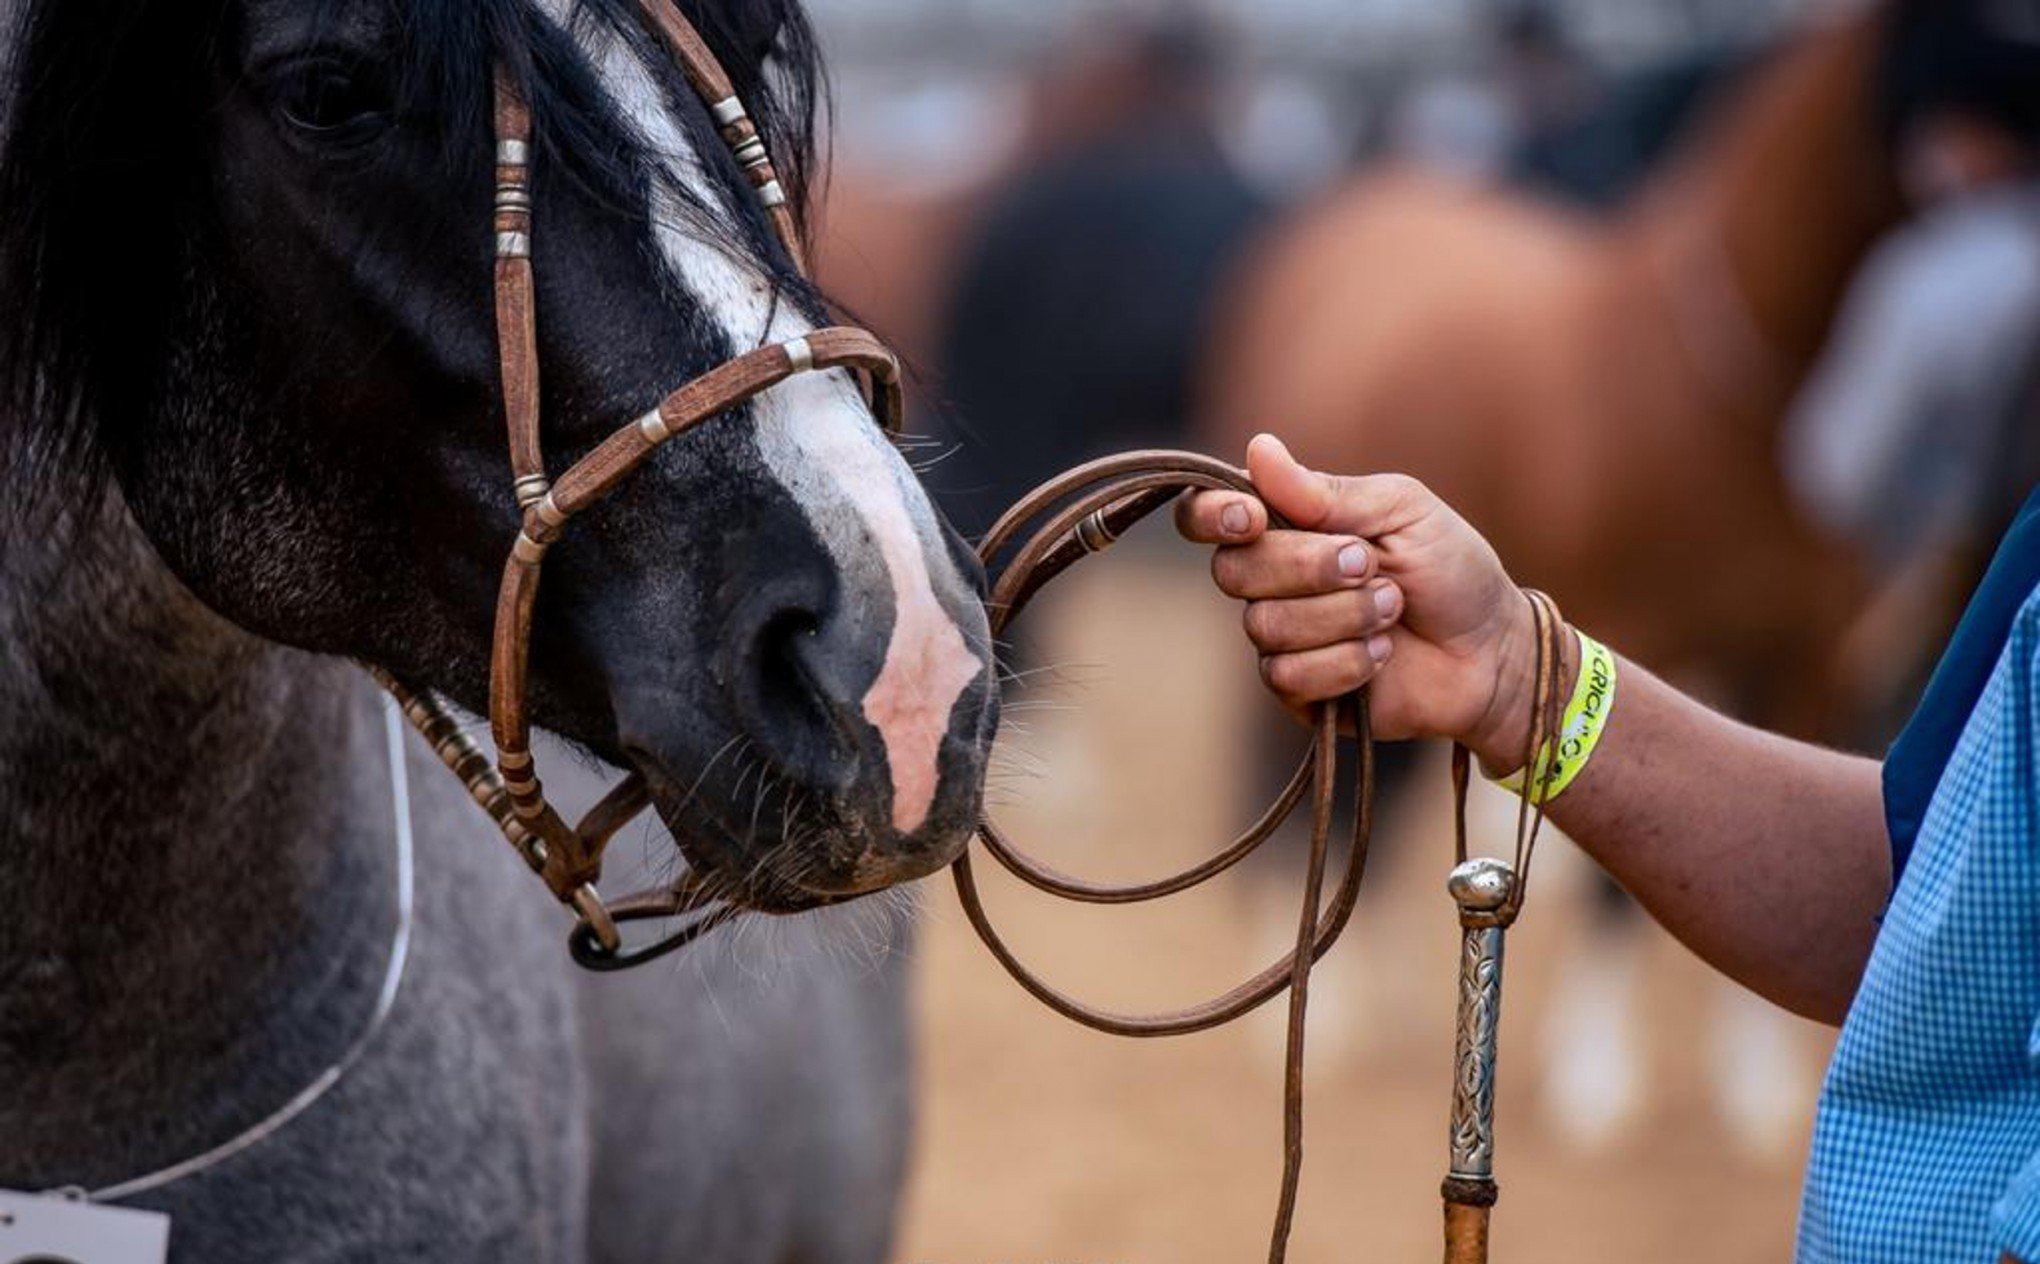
(797, 713)
(783, 683)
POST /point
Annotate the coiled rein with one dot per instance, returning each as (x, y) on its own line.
(1083, 512)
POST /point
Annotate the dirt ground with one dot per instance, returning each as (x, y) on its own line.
(1044, 1143)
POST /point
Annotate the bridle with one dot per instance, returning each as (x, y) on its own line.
(1082, 512)
(568, 857)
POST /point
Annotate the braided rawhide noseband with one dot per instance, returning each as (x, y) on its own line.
(1079, 513)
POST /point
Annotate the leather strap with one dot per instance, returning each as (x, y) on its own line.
(568, 857)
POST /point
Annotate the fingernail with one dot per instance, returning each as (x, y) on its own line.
(1353, 560)
(1378, 648)
(1234, 519)
(1384, 601)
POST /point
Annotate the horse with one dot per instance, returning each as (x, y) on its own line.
(263, 967)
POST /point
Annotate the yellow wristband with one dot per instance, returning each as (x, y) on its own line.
(1579, 732)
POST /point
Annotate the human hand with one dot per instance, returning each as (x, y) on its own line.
(1375, 580)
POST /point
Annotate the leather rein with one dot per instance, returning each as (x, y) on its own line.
(1077, 514)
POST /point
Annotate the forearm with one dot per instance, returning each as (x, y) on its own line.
(1767, 857)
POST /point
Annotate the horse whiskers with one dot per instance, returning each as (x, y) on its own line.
(863, 935)
(1029, 706)
(747, 763)
(766, 781)
(747, 957)
(1016, 759)
(921, 465)
(865, 932)
(794, 834)
(1021, 731)
(686, 799)
(1005, 790)
(1071, 671)
(764, 864)
(866, 929)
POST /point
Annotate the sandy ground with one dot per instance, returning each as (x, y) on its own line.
(1044, 1143)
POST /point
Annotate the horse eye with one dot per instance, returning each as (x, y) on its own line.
(328, 98)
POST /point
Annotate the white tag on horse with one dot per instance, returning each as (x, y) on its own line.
(51, 1229)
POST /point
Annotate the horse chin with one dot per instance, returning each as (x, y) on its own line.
(786, 902)
(760, 884)
(762, 892)
(838, 852)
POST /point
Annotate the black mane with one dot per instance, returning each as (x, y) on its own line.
(104, 105)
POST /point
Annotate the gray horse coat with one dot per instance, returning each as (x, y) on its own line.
(200, 878)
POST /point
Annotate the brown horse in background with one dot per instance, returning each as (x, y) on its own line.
(1601, 396)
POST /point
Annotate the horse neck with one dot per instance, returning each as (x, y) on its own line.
(197, 878)
(1755, 235)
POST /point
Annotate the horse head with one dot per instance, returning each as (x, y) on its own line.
(248, 261)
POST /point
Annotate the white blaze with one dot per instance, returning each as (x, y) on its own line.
(817, 437)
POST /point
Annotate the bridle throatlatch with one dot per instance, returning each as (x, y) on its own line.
(1080, 513)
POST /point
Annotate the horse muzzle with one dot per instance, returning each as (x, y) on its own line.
(852, 756)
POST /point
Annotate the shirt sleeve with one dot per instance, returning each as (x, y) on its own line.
(2013, 806)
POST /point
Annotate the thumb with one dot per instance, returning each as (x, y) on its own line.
(1291, 489)
(1316, 501)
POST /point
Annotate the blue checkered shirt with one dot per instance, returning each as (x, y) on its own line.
(1927, 1143)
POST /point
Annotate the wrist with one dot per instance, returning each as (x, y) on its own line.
(1501, 739)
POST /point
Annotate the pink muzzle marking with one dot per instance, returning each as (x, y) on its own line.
(928, 665)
